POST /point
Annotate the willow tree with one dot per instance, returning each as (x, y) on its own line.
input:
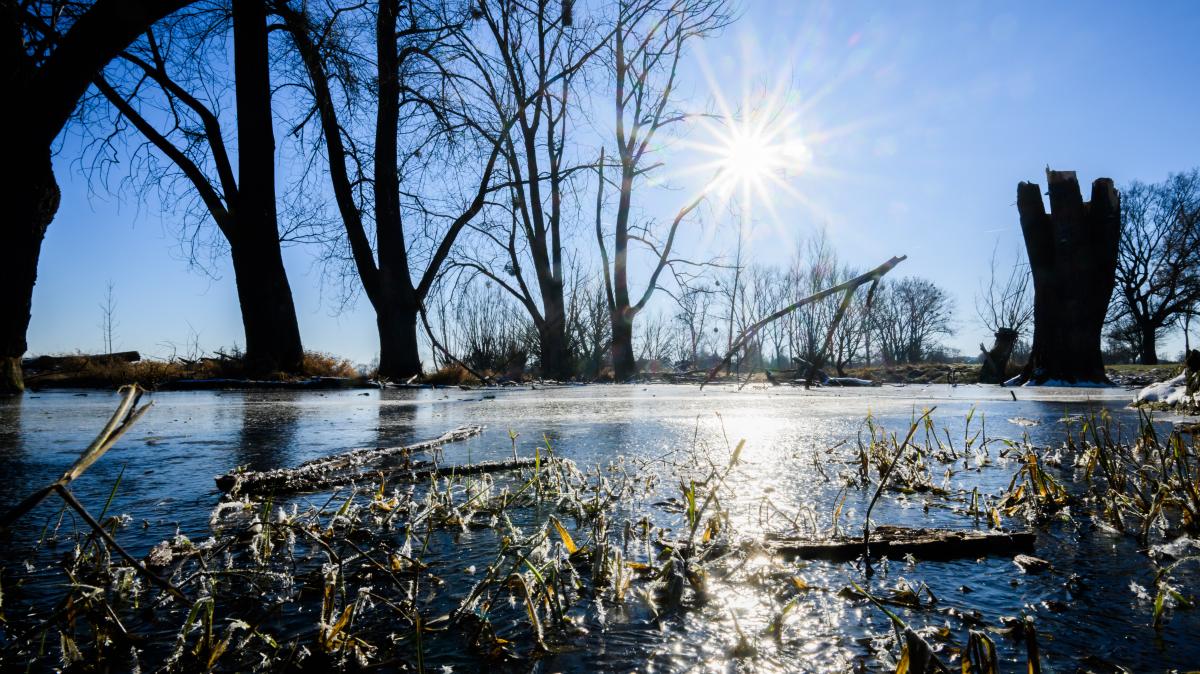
(414, 123)
(648, 44)
(51, 51)
(175, 107)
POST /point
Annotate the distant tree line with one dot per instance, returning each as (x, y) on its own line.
(906, 322)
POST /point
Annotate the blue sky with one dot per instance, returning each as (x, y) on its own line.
(920, 119)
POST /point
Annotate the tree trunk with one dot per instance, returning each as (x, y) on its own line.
(1073, 256)
(30, 196)
(399, 356)
(552, 335)
(268, 313)
(42, 98)
(555, 359)
(1148, 351)
(995, 362)
(624, 366)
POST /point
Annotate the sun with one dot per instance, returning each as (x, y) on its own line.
(750, 157)
(757, 157)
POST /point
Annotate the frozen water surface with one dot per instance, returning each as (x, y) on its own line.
(1084, 608)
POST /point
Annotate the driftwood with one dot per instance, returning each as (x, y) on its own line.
(331, 471)
(418, 472)
(45, 363)
(873, 277)
(896, 542)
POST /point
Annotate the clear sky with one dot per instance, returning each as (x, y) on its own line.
(919, 120)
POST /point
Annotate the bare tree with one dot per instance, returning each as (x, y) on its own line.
(694, 301)
(851, 333)
(814, 266)
(52, 50)
(528, 60)
(1158, 277)
(908, 316)
(655, 340)
(420, 109)
(593, 329)
(483, 325)
(1005, 307)
(648, 44)
(1184, 321)
(108, 311)
(158, 92)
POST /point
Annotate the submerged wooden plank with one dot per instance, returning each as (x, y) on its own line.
(896, 542)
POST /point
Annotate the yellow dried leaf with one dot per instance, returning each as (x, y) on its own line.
(568, 542)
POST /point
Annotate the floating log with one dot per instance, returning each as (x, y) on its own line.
(330, 471)
(849, 381)
(895, 542)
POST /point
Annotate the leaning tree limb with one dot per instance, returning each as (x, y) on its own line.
(848, 287)
(454, 359)
(126, 415)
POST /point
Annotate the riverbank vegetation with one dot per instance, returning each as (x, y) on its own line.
(111, 372)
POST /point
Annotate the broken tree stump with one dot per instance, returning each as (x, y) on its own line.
(895, 542)
(330, 471)
(995, 360)
(1073, 256)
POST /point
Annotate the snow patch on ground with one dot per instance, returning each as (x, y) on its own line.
(848, 381)
(1059, 382)
(1015, 381)
(1171, 392)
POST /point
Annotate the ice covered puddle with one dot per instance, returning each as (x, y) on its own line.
(1171, 392)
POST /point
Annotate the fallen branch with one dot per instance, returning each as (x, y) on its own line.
(333, 470)
(413, 473)
(50, 363)
(848, 287)
(896, 542)
(472, 469)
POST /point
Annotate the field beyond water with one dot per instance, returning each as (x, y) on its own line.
(640, 540)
